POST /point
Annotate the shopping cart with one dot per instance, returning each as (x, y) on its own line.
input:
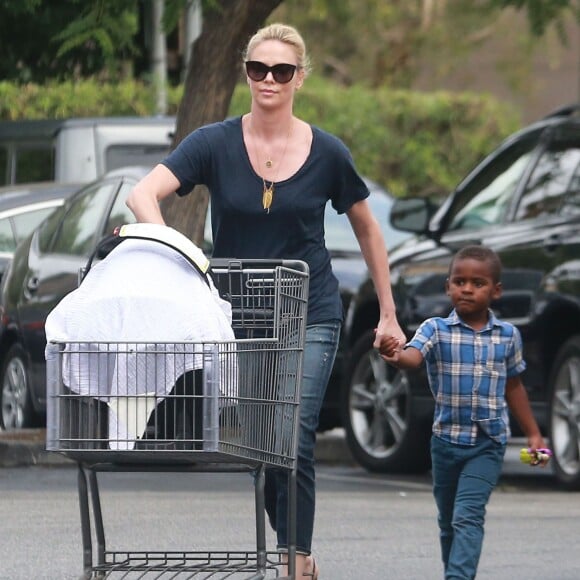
(188, 407)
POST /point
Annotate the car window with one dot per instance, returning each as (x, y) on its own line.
(207, 237)
(4, 170)
(553, 176)
(48, 228)
(485, 199)
(6, 236)
(79, 228)
(34, 164)
(25, 223)
(339, 235)
(117, 156)
(571, 204)
(120, 214)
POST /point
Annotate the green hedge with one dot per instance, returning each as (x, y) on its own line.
(413, 143)
(89, 98)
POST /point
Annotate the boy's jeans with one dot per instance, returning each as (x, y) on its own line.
(463, 478)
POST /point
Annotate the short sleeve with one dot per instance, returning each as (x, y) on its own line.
(425, 337)
(515, 363)
(347, 186)
(189, 161)
(350, 186)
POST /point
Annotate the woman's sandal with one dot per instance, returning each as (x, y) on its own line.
(314, 573)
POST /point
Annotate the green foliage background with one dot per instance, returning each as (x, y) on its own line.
(413, 143)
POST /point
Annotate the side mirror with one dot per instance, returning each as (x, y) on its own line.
(411, 214)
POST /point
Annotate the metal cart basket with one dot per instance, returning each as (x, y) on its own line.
(184, 406)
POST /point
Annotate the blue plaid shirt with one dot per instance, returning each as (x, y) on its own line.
(467, 372)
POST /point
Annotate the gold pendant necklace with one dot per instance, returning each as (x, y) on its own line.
(268, 191)
(267, 196)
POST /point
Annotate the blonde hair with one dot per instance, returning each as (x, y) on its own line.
(286, 34)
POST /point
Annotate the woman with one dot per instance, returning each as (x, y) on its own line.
(270, 175)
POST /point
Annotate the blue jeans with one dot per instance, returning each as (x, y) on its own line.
(319, 353)
(463, 478)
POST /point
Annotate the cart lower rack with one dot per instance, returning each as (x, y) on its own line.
(188, 407)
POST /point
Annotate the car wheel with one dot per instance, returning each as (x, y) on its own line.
(565, 414)
(17, 409)
(381, 429)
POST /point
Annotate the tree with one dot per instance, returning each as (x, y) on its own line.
(387, 43)
(542, 13)
(97, 28)
(214, 70)
(85, 37)
(47, 39)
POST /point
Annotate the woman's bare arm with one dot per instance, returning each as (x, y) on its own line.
(144, 199)
(374, 250)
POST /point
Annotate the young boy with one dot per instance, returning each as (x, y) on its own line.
(474, 362)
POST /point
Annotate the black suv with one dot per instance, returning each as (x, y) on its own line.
(524, 202)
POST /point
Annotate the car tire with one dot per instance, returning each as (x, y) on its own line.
(565, 414)
(15, 399)
(382, 431)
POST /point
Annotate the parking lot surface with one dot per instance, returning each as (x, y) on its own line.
(368, 526)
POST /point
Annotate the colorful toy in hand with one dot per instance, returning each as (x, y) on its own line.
(533, 458)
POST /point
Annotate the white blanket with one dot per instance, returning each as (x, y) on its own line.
(147, 294)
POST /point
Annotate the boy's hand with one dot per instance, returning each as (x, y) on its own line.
(389, 345)
(397, 354)
(536, 443)
(389, 348)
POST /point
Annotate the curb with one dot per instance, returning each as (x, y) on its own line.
(332, 448)
(27, 447)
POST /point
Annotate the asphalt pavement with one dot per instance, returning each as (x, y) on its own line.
(368, 526)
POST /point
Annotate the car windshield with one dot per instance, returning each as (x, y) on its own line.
(484, 200)
(338, 233)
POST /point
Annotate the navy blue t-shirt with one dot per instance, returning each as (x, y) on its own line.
(215, 156)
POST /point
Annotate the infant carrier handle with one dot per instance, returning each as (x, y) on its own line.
(155, 233)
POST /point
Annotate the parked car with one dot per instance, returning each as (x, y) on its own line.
(80, 149)
(22, 208)
(46, 265)
(523, 201)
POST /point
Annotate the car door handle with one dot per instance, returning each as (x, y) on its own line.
(552, 243)
(32, 284)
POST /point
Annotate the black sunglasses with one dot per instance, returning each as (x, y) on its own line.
(258, 71)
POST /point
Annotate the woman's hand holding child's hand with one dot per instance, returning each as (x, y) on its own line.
(389, 348)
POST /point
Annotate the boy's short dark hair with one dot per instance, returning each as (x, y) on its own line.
(482, 254)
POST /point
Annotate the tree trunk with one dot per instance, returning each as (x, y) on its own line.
(215, 68)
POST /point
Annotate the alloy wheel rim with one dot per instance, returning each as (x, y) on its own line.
(377, 406)
(566, 417)
(14, 392)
